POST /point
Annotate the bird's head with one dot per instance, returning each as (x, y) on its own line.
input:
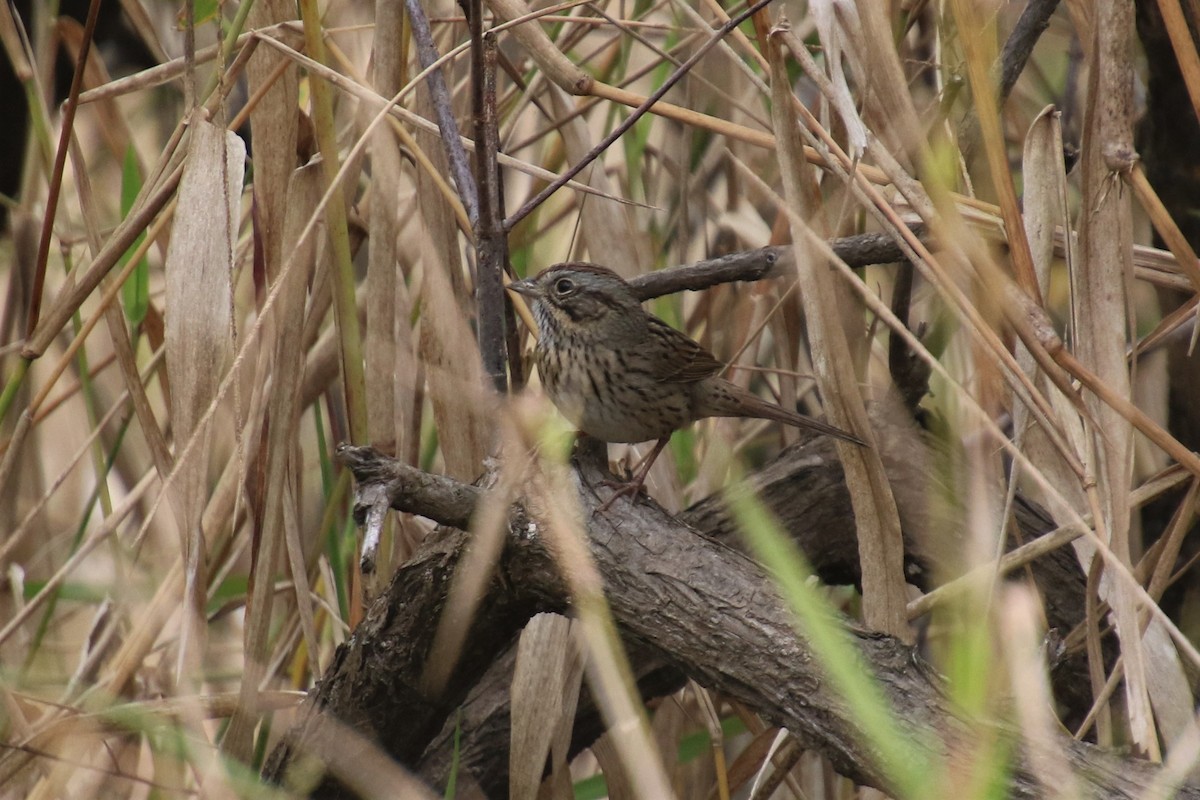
(569, 296)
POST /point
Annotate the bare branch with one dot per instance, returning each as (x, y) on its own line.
(671, 590)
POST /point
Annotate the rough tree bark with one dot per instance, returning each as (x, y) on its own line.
(804, 488)
(688, 600)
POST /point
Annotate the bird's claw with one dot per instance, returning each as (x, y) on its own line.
(634, 488)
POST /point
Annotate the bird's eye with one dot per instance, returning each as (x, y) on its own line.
(564, 285)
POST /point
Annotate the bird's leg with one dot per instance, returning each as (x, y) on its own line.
(635, 486)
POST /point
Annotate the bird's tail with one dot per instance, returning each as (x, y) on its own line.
(730, 400)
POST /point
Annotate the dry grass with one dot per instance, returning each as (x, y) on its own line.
(179, 559)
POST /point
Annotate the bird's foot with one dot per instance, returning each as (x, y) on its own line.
(630, 488)
(636, 486)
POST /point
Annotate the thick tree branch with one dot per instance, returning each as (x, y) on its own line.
(694, 601)
(804, 488)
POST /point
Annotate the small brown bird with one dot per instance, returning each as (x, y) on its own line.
(621, 374)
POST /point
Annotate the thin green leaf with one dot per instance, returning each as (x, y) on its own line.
(905, 764)
(135, 293)
(205, 11)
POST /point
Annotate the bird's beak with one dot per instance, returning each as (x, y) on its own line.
(526, 287)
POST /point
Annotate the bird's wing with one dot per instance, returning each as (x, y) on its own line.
(681, 359)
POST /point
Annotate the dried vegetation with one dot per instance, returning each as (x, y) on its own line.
(890, 225)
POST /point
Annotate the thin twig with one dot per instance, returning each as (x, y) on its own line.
(637, 114)
(1019, 46)
(60, 162)
(189, 57)
(863, 250)
(456, 155)
(491, 240)
(909, 373)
